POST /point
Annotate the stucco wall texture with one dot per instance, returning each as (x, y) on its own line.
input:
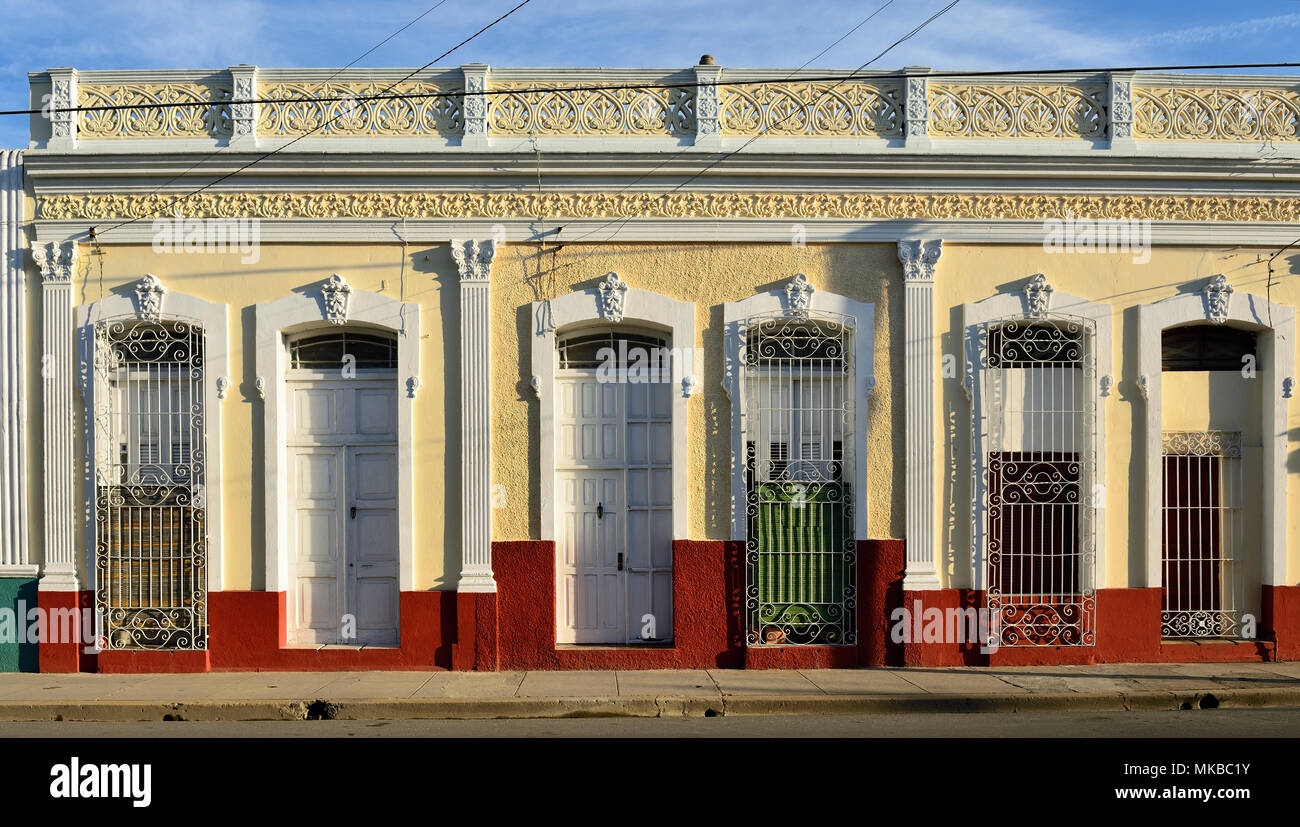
(708, 274)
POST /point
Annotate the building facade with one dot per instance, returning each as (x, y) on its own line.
(497, 369)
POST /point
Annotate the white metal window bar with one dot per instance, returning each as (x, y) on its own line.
(1038, 480)
(801, 557)
(1204, 586)
(149, 475)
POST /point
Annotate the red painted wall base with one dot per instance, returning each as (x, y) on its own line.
(1127, 631)
(61, 648)
(247, 633)
(515, 627)
(708, 615)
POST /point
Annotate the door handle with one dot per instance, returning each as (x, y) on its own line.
(600, 511)
(620, 561)
(354, 512)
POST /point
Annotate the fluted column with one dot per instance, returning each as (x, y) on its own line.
(56, 262)
(14, 559)
(919, 258)
(474, 259)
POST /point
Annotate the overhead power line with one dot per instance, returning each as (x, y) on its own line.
(460, 93)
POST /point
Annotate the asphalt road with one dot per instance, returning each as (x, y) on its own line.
(1235, 723)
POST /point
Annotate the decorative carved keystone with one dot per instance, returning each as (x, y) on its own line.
(613, 297)
(798, 294)
(1217, 294)
(336, 292)
(149, 291)
(1038, 296)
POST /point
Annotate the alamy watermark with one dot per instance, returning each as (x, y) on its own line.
(1098, 235)
(209, 235)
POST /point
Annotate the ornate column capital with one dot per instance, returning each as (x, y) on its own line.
(474, 258)
(919, 258)
(56, 261)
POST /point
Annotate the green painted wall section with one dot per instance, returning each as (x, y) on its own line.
(17, 656)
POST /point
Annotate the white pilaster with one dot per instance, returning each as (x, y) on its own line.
(56, 262)
(62, 103)
(244, 116)
(475, 105)
(474, 259)
(919, 259)
(916, 109)
(1120, 111)
(708, 106)
(14, 561)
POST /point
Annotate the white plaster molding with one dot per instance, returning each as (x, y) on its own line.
(336, 292)
(975, 317)
(1121, 112)
(613, 297)
(474, 106)
(1277, 357)
(1288, 387)
(223, 386)
(916, 112)
(56, 262)
(62, 106)
(1144, 387)
(474, 262)
(1218, 294)
(1105, 384)
(862, 317)
(708, 105)
(150, 292)
(1038, 297)
(272, 322)
(549, 318)
(919, 259)
(214, 318)
(798, 296)
(14, 517)
(413, 385)
(244, 116)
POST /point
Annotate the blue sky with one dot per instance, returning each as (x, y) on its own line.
(977, 34)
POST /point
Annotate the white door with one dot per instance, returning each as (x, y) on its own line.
(614, 499)
(589, 585)
(343, 493)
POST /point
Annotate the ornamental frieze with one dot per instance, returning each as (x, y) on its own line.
(752, 205)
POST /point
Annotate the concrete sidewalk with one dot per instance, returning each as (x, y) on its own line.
(378, 695)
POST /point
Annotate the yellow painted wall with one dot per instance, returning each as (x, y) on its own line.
(709, 275)
(968, 273)
(430, 280)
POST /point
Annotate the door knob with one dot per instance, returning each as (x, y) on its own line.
(600, 511)
(354, 512)
(620, 561)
